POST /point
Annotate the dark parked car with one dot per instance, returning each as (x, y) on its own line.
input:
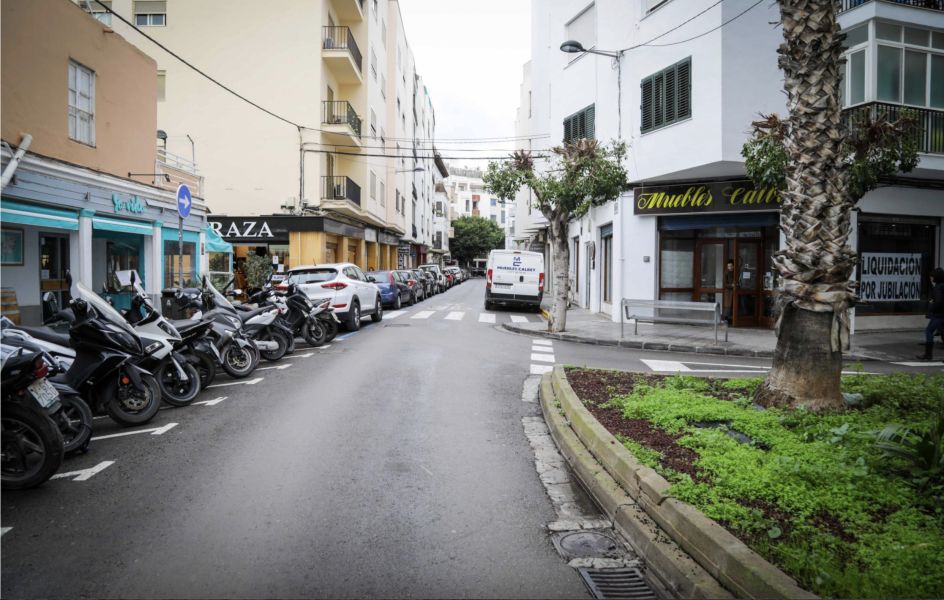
(427, 282)
(431, 287)
(394, 292)
(417, 289)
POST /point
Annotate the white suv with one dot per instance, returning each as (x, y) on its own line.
(345, 285)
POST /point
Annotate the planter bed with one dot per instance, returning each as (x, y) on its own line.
(810, 493)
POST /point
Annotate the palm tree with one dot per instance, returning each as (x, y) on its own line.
(817, 263)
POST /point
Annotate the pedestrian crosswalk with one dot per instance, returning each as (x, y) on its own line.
(489, 318)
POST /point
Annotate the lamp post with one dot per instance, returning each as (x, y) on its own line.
(575, 47)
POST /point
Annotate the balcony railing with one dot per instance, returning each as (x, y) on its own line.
(336, 187)
(340, 112)
(414, 232)
(930, 4)
(341, 38)
(415, 197)
(929, 129)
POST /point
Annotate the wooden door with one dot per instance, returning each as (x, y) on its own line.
(748, 271)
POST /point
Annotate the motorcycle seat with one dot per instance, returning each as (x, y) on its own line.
(246, 315)
(183, 325)
(47, 335)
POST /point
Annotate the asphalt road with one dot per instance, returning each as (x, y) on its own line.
(391, 464)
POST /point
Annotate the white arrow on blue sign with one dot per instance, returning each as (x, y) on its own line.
(184, 200)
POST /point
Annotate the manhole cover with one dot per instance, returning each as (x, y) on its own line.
(586, 544)
(617, 583)
(398, 325)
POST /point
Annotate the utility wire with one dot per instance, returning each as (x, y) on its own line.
(735, 17)
(677, 27)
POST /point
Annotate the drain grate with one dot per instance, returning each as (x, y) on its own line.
(617, 583)
(585, 544)
(397, 325)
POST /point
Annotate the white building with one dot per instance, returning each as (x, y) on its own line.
(693, 76)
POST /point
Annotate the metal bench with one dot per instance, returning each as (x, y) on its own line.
(672, 311)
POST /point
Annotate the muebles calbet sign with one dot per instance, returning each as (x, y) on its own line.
(724, 196)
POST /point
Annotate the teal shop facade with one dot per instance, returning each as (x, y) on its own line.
(57, 216)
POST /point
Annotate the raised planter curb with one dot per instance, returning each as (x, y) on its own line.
(721, 554)
(674, 569)
(663, 346)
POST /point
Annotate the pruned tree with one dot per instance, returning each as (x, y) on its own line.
(582, 174)
(474, 238)
(822, 172)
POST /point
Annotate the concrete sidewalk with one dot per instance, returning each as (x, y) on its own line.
(592, 328)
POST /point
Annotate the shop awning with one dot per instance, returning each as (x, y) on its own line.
(122, 226)
(215, 242)
(753, 219)
(39, 216)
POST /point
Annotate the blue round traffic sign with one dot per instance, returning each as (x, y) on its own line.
(184, 200)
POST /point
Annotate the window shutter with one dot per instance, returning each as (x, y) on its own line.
(150, 7)
(591, 118)
(581, 127)
(684, 78)
(646, 106)
(671, 95)
(568, 129)
(658, 100)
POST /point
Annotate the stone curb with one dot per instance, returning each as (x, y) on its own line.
(662, 346)
(720, 553)
(674, 569)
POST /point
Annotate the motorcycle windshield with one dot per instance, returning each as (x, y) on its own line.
(219, 300)
(104, 309)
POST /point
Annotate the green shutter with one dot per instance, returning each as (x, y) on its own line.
(658, 100)
(646, 104)
(684, 78)
(591, 118)
(671, 96)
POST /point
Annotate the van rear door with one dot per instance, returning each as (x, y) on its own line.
(518, 273)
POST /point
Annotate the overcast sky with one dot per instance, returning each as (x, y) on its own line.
(470, 56)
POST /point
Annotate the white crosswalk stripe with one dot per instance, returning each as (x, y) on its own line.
(423, 314)
(455, 316)
(541, 369)
(543, 357)
(542, 342)
(486, 318)
(393, 314)
(542, 349)
(519, 319)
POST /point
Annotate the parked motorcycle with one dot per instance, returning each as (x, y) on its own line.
(299, 314)
(32, 447)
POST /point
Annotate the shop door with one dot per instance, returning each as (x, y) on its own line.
(748, 290)
(710, 260)
(53, 264)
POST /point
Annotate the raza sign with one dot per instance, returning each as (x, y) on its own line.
(725, 196)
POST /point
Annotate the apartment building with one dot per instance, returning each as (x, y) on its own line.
(468, 196)
(87, 186)
(310, 184)
(528, 230)
(690, 88)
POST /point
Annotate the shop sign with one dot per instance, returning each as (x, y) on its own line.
(725, 196)
(890, 277)
(131, 205)
(244, 229)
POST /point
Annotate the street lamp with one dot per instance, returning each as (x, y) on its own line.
(413, 170)
(575, 47)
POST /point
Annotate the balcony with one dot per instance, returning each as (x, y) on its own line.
(341, 53)
(929, 129)
(415, 197)
(170, 170)
(414, 232)
(349, 10)
(340, 123)
(334, 187)
(929, 4)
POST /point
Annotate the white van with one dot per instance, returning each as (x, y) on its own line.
(514, 277)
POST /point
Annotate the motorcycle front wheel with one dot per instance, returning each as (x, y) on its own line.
(75, 423)
(314, 332)
(129, 406)
(331, 327)
(174, 390)
(279, 338)
(239, 362)
(32, 447)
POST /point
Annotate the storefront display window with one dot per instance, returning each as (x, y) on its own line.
(896, 256)
(172, 273)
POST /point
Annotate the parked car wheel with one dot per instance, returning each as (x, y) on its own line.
(354, 316)
(397, 304)
(378, 315)
(412, 298)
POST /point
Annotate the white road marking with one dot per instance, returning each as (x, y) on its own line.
(324, 346)
(519, 319)
(393, 314)
(542, 349)
(247, 382)
(425, 469)
(305, 355)
(277, 367)
(84, 474)
(486, 318)
(4, 530)
(541, 369)
(455, 316)
(212, 402)
(664, 365)
(920, 364)
(423, 314)
(542, 342)
(152, 431)
(543, 357)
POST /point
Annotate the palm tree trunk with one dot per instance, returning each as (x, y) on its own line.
(817, 263)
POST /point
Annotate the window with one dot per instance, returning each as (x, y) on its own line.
(373, 185)
(888, 79)
(383, 137)
(161, 85)
(666, 97)
(651, 5)
(383, 85)
(100, 13)
(467, 208)
(583, 27)
(150, 13)
(383, 193)
(493, 202)
(579, 125)
(529, 104)
(373, 124)
(373, 63)
(81, 104)
(493, 218)
(383, 33)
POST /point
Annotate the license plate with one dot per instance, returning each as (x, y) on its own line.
(503, 285)
(44, 392)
